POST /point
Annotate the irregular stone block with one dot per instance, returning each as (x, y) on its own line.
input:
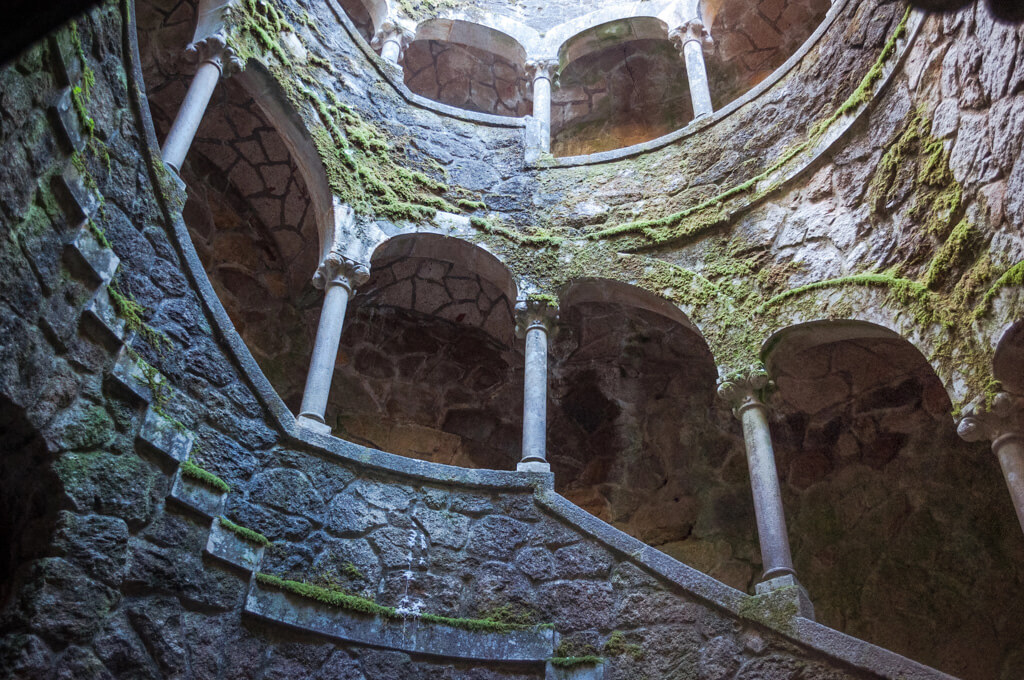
(79, 201)
(89, 260)
(229, 547)
(100, 322)
(409, 635)
(160, 435)
(197, 496)
(581, 672)
(65, 120)
(130, 376)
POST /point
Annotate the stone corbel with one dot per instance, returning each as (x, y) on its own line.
(214, 49)
(692, 31)
(535, 313)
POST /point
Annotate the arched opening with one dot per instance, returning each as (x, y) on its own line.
(636, 435)
(620, 83)
(751, 41)
(903, 533)
(469, 66)
(427, 366)
(366, 15)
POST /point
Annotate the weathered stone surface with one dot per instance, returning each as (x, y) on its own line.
(497, 537)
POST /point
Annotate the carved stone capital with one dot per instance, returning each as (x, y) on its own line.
(1000, 418)
(692, 31)
(214, 50)
(391, 30)
(336, 269)
(543, 67)
(745, 389)
(535, 313)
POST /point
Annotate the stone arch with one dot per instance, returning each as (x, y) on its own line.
(752, 41)
(469, 65)
(670, 14)
(635, 433)
(367, 15)
(1008, 362)
(877, 485)
(428, 366)
(620, 83)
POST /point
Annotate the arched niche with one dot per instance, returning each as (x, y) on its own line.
(636, 435)
(620, 83)
(903, 533)
(428, 366)
(470, 66)
(752, 40)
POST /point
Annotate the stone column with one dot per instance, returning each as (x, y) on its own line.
(745, 393)
(534, 319)
(541, 71)
(691, 39)
(337, 276)
(215, 60)
(392, 40)
(1002, 423)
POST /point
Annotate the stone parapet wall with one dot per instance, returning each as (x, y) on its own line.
(143, 416)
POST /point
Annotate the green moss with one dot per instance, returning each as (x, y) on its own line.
(128, 308)
(961, 245)
(617, 646)
(1014, 276)
(712, 213)
(352, 571)
(193, 471)
(574, 661)
(776, 609)
(547, 299)
(244, 532)
(362, 605)
(539, 239)
(466, 204)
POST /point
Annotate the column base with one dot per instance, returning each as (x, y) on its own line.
(785, 591)
(311, 423)
(533, 466)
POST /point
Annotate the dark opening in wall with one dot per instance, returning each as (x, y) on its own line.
(361, 17)
(469, 66)
(636, 437)
(621, 83)
(29, 496)
(903, 533)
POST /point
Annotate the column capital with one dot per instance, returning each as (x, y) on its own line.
(745, 389)
(995, 419)
(535, 313)
(692, 31)
(214, 49)
(541, 67)
(390, 29)
(336, 269)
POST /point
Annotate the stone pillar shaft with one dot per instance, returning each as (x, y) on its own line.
(697, 75)
(535, 395)
(534, 319)
(541, 70)
(1009, 448)
(1000, 419)
(325, 350)
(764, 482)
(391, 50)
(190, 115)
(691, 39)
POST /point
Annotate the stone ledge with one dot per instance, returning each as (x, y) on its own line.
(160, 435)
(229, 547)
(101, 323)
(411, 636)
(87, 258)
(196, 496)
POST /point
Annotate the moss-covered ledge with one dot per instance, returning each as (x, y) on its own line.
(273, 600)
